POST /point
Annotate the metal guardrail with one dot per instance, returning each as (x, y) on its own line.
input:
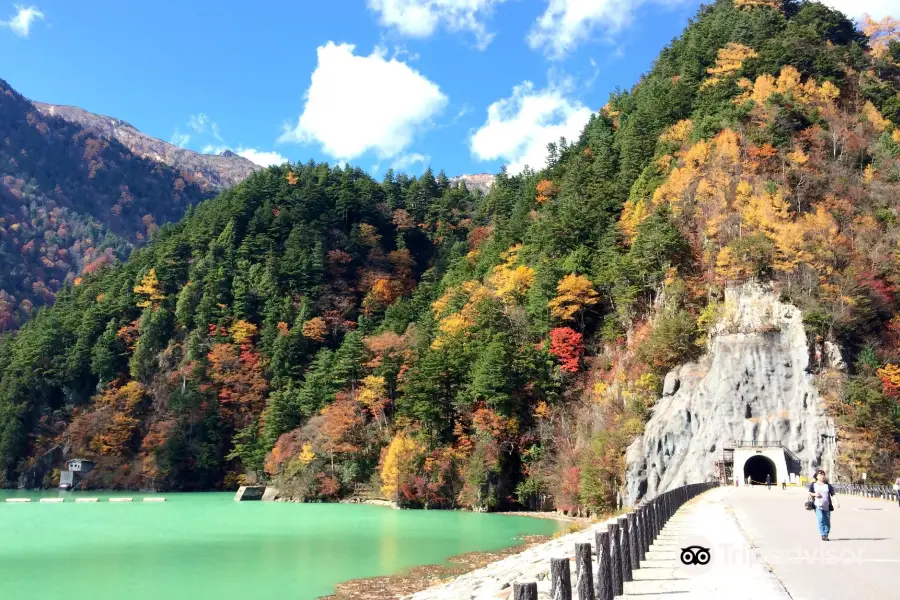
(884, 492)
(619, 549)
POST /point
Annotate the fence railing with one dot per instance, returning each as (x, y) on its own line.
(620, 548)
(885, 492)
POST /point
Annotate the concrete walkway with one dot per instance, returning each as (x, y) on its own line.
(734, 571)
(862, 560)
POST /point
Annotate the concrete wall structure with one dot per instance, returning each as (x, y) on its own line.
(774, 454)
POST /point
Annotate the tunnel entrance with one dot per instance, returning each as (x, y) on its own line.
(757, 467)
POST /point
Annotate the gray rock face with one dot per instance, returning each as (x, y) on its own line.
(753, 384)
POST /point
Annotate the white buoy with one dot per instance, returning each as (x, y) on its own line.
(154, 499)
(120, 499)
(87, 499)
(18, 500)
(51, 500)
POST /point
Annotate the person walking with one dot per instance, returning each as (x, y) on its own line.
(897, 489)
(821, 492)
(768, 481)
(783, 484)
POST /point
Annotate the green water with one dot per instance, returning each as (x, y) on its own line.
(197, 546)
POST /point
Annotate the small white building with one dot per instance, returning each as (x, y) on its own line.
(76, 468)
(80, 465)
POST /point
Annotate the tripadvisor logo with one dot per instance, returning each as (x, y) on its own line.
(695, 555)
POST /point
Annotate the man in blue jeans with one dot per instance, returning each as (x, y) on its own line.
(821, 492)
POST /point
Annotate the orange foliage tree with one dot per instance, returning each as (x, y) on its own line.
(315, 329)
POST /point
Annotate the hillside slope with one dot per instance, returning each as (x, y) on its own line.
(71, 200)
(332, 334)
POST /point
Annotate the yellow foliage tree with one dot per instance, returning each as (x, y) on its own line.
(869, 174)
(373, 395)
(729, 60)
(633, 214)
(874, 117)
(306, 455)
(382, 294)
(291, 178)
(440, 305)
(880, 33)
(372, 389)
(510, 284)
(763, 88)
(798, 156)
(399, 463)
(575, 294)
(150, 290)
(679, 132)
(243, 332)
(757, 3)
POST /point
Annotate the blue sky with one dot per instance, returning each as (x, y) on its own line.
(460, 85)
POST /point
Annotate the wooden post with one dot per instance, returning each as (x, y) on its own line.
(641, 516)
(603, 585)
(615, 558)
(624, 550)
(656, 519)
(524, 591)
(583, 573)
(633, 543)
(560, 579)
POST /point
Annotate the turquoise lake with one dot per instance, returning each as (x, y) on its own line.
(209, 546)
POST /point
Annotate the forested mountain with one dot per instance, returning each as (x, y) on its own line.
(211, 172)
(71, 200)
(333, 334)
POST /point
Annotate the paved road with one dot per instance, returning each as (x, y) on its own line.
(733, 572)
(861, 562)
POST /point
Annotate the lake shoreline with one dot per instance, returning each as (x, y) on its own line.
(416, 579)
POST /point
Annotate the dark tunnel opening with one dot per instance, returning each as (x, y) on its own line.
(757, 467)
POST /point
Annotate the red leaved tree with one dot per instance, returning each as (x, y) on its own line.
(566, 345)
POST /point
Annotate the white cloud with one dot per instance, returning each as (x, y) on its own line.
(565, 23)
(420, 18)
(180, 139)
(25, 16)
(407, 160)
(519, 128)
(359, 103)
(198, 122)
(260, 157)
(855, 9)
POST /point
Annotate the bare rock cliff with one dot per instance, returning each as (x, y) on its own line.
(754, 383)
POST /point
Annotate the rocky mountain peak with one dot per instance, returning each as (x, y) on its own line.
(212, 172)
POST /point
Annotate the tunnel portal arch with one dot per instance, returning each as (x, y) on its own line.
(758, 466)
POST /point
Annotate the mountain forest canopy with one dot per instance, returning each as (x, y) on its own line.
(71, 201)
(336, 335)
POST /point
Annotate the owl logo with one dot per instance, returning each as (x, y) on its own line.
(695, 555)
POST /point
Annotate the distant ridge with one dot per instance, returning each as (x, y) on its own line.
(212, 172)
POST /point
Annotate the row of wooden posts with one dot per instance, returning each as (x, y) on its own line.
(620, 548)
(868, 491)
